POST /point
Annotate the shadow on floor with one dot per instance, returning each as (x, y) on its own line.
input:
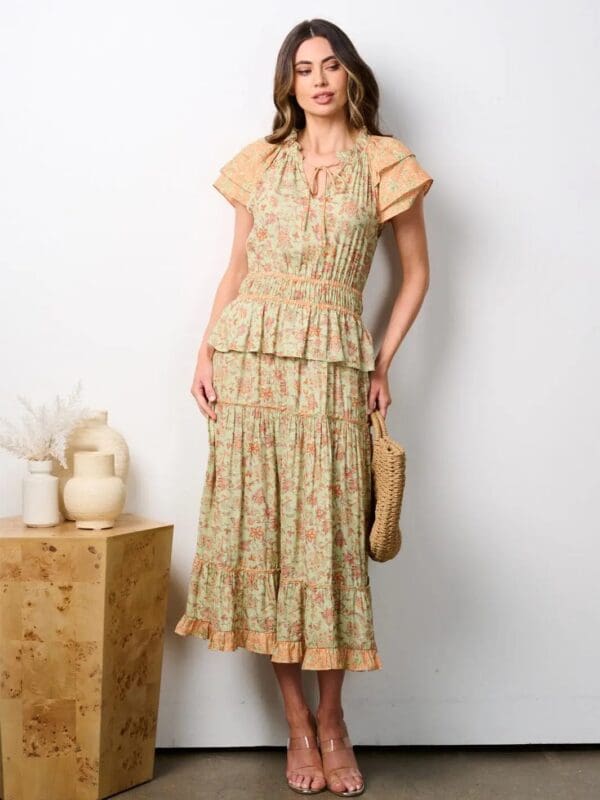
(391, 773)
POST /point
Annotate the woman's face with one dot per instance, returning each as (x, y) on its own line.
(317, 71)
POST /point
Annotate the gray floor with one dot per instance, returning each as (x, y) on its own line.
(418, 773)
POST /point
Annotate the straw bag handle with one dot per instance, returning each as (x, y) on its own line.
(381, 432)
(379, 426)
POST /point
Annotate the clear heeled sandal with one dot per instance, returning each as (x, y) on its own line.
(305, 743)
(339, 743)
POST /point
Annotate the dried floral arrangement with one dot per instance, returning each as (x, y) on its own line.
(45, 430)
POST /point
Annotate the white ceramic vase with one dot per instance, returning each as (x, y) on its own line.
(93, 433)
(94, 497)
(40, 496)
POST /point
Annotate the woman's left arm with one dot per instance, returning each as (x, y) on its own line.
(411, 240)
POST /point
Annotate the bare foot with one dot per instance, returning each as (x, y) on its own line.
(304, 765)
(339, 765)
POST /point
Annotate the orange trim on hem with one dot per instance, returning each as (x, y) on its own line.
(266, 643)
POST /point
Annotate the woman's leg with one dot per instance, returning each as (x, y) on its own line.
(301, 722)
(330, 721)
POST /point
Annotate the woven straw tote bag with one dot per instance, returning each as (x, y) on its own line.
(388, 466)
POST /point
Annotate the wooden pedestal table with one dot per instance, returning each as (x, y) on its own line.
(82, 618)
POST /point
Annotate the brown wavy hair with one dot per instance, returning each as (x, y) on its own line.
(363, 92)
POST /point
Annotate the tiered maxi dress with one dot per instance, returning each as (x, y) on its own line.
(281, 566)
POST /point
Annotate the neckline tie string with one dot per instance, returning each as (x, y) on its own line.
(314, 190)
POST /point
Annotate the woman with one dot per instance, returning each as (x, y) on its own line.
(281, 565)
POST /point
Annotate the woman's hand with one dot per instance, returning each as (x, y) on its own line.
(379, 391)
(202, 385)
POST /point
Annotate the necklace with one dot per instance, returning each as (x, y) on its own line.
(342, 154)
(313, 182)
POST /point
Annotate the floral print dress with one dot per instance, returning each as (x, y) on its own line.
(281, 565)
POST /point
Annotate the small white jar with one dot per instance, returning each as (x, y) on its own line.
(40, 496)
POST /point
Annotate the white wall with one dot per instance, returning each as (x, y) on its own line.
(115, 118)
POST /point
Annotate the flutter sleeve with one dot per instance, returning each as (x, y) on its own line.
(238, 178)
(398, 177)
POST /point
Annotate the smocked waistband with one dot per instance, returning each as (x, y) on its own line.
(300, 289)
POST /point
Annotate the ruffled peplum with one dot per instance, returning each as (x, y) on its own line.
(256, 609)
(297, 316)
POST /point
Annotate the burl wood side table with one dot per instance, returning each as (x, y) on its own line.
(82, 618)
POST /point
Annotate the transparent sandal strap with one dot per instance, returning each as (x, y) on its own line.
(301, 742)
(338, 743)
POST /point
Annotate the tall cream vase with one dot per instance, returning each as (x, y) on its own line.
(93, 433)
(94, 497)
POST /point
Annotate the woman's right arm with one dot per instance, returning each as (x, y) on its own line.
(202, 385)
